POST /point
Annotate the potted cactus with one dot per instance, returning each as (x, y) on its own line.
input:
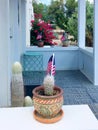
(48, 100)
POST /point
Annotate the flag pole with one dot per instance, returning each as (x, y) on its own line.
(52, 63)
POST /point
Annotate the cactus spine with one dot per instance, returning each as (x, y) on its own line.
(48, 85)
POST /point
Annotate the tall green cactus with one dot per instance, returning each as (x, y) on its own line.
(48, 85)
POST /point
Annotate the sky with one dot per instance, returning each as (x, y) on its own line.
(47, 2)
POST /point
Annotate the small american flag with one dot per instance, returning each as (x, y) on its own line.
(51, 65)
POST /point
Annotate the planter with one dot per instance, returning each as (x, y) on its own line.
(65, 44)
(48, 107)
(40, 43)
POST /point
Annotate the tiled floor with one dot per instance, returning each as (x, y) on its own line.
(77, 88)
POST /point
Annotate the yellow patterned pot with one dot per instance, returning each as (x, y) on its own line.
(48, 106)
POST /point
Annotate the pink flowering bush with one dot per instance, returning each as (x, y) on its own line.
(41, 31)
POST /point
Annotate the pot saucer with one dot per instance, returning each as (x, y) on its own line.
(41, 119)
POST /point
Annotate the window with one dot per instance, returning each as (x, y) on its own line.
(63, 18)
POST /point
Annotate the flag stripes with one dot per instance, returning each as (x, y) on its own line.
(51, 65)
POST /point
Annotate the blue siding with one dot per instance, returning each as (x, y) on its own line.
(86, 64)
(65, 58)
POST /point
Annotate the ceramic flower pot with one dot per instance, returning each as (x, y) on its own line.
(47, 106)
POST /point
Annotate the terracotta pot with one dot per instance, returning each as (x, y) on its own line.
(40, 43)
(48, 106)
(65, 43)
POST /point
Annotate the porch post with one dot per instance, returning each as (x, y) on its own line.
(29, 17)
(4, 54)
(81, 22)
(96, 42)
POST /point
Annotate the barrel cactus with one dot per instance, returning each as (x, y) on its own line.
(28, 101)
(48, 84)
